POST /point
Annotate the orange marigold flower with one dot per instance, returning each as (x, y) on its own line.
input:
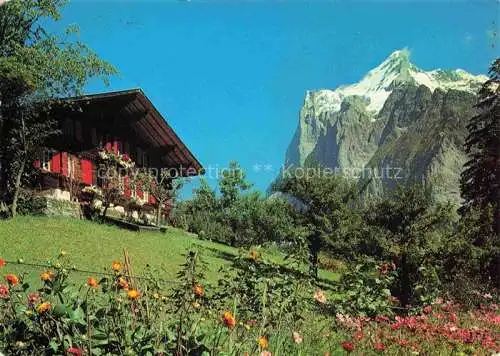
(116, 266)
(133, 294)
(12, 279)
(263, 343)
(92, 282)
(198, 290)
(43, 307)
(253, 255)
(228, 319)
(47, 276)
(122, 283)
(2, 262)
(320, 297)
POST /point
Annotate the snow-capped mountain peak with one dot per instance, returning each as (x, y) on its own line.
(378, 83)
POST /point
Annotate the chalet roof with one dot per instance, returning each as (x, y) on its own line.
(149, 124)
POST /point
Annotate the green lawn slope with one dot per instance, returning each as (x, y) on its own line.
(93, 247)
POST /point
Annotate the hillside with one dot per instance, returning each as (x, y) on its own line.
(93, 247)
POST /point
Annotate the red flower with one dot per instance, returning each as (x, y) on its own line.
(381, 319)
(384, 268)
(347, 345)
(379, 346)
(228, 319)
(74, 351)
(404, 343)
(252, 322)
(359, 335)
(453, 317)
(427, 309)
(2, 262)
(4, 291)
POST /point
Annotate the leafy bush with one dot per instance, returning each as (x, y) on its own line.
(366, 289)
(274, 292)
(411, 231)
(30, 204)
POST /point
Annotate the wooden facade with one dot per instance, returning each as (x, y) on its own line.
(124, 122)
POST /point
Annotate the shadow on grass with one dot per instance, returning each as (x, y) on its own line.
(224, 255)
(291, 270)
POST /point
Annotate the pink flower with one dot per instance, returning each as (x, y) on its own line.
(438, 301)
(359, 335)
(379, 346)
(427, 309)
(487, 296)
(252, 322)
(296, 337)
(320, 297)
(4, 291)
(33, 298)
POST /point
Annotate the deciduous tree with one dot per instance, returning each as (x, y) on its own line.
(37, 68)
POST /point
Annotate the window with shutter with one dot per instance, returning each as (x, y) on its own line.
(46, 159)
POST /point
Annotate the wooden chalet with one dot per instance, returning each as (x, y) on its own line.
(124, 122)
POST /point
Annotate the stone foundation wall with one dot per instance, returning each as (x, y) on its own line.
(64, 208)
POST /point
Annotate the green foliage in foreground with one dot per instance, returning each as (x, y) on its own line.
(255, 310)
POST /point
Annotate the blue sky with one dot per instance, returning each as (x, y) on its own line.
(230, 76)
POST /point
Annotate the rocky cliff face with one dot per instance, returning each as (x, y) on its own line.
(399, 124)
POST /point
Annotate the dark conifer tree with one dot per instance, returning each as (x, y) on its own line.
(480, 180)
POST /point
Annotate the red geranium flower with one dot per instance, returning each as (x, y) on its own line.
(347, 345)
(427, 309)
(2, 262)
(74, 351)
(381, 319)
(379, 346)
